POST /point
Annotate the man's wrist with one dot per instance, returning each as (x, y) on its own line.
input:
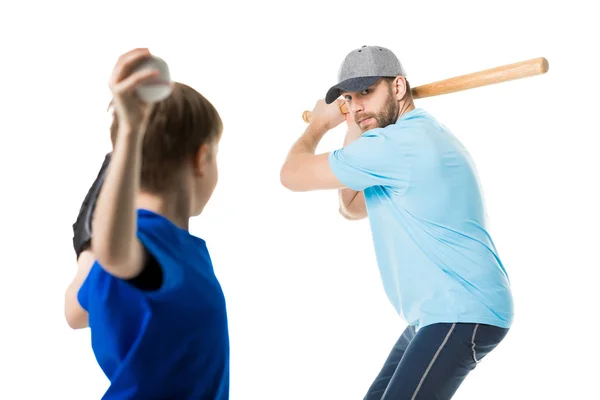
(316, 131)
(308, 142)
(352, 134)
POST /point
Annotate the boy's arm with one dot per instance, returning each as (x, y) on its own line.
(76, 316)
(115, 243)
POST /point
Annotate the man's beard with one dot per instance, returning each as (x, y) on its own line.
(387, 116)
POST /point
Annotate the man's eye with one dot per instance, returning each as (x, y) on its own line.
(347, 98)
(365, 92)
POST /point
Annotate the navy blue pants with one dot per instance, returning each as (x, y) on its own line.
(432, 363)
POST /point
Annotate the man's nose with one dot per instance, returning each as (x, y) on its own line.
(356, 106)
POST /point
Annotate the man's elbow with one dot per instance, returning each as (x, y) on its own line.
(288, 179)
(352, 216)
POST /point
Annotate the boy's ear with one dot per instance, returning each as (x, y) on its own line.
(200, 160)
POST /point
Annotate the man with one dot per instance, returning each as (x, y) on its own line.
(418, 186)
(146, 285)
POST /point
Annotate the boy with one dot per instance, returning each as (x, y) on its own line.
(145, 286)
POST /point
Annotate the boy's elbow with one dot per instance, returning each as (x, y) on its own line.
(113, 251)
(75, 315)
(76, 323)
(111, 258)
(105, 255)
(121, 262)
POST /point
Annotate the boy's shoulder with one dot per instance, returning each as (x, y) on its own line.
(156, 225)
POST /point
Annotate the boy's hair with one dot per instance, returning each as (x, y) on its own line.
(178, 127)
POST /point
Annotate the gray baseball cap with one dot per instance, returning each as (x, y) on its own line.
(362, 68)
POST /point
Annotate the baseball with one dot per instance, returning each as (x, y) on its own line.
(157, 89)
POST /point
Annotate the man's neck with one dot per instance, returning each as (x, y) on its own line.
(405, 106)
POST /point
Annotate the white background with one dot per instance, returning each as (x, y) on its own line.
(308, 316)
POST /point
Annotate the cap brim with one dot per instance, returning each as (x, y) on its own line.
(350, 85)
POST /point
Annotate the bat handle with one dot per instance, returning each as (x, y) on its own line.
(306, 115)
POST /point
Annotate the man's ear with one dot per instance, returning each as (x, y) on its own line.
(399, 87)
(200, 160)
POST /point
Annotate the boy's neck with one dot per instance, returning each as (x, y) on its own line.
(173, 207)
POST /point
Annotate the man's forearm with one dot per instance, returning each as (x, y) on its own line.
(307, 143)
(352, 134)
(352, 202)
(302, 149)
(347, 196)
(115, 216)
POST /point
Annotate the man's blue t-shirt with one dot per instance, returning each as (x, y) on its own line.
(171, 343)
(436, 258)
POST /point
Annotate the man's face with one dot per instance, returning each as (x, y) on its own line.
(375, 107)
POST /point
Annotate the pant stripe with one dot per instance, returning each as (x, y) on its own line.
(437, 353)
(473, 344)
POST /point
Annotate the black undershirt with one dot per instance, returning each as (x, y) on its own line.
(151, 276)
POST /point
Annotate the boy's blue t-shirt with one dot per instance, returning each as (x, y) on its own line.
(171, 343)
(436, 258)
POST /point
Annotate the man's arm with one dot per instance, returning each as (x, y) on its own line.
(352, 202)
(303, 170)
(371, 160)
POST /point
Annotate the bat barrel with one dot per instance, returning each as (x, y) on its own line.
(505, 73)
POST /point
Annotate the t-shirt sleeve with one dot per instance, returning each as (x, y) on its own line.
(100, 288)
(97, 287)
(171, 272)
(372, 160)
(105, 296)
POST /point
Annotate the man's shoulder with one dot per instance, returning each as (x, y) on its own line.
(416, 120)
(418, 127)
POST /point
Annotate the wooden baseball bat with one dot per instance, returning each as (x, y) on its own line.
(505, 73)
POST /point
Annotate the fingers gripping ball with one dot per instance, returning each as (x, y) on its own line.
(158, 88)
